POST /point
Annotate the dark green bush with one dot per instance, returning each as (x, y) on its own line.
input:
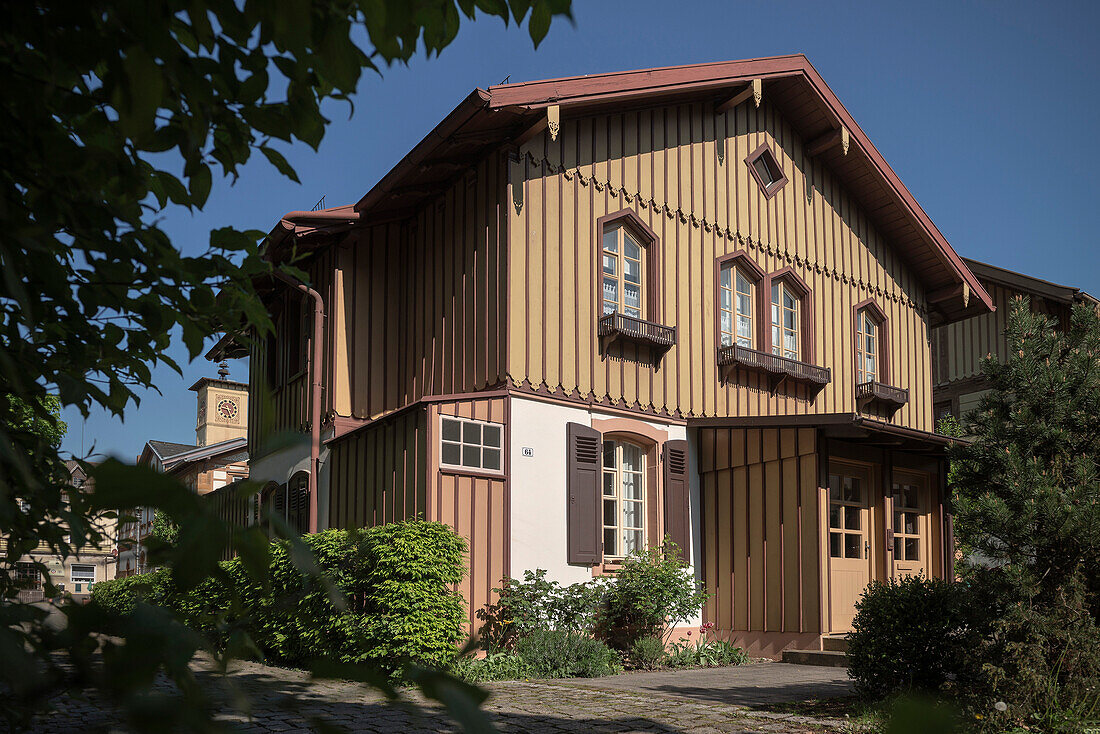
(914, 635)
(386, 596)
(652, 593)
(118, 596)
(559, 654)
(647, 653)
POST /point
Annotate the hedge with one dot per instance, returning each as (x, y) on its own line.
(397, 581)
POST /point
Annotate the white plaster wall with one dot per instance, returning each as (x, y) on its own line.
(538, 486)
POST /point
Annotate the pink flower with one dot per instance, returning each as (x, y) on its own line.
(689, 633)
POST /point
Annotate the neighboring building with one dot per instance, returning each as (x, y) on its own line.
(218, 458)
(959, 348)
(76, 574)
(587, 312)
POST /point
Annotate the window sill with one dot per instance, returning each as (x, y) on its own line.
(775, 367)
(464, 471)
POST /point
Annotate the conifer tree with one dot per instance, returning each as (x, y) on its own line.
(1027, 500)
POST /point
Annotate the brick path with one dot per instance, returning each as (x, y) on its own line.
(703, 701)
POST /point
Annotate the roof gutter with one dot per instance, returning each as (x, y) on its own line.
(315, 357)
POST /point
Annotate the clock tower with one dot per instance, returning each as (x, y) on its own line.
(222, 408)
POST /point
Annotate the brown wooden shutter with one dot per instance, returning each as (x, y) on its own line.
(677, 503)
(583, 454)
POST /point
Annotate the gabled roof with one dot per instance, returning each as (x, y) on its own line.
(167, 449)
(1063, 294)
(229, 451)
(490, 117)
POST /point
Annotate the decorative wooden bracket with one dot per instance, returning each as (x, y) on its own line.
(754, 89)
(553, 120)
(828, 140)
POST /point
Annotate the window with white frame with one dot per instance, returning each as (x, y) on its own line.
(785, 320)
(622, 272)
(471, 444)
(867, 351)
(82, 575)
(624, 508)
(735, 298)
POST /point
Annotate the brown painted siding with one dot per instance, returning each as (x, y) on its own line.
(421, 301)
(760, 529)
(682, 170)
(477, 507)
(379, 474)
(959, 348)
(230, 507)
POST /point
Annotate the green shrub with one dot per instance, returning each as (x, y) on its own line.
(647, 653)
(410, 611)
(558, 654)
(494, 666)
(706, 654)
(118, 596)
(914, 635)
(538, 604)
(652, 593)
(385, 595)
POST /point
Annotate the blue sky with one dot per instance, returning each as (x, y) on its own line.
(986, 110)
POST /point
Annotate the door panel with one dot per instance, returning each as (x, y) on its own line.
(911, 524)
(850, 497)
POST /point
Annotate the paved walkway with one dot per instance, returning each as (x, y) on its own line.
(695, 701)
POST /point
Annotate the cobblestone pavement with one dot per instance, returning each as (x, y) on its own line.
(702, 701)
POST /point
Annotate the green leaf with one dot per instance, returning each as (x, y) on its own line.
(277, 160)
(200, 185)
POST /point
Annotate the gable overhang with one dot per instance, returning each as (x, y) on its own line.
(507, 113)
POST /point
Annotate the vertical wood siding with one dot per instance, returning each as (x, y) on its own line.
(418, 304)
(959, 348)
(682, 170)
(379, 474)
(760, 529)
(477, 507)
(230, 507)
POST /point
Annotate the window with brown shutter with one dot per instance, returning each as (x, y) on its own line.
(583, 488)
(677, 502)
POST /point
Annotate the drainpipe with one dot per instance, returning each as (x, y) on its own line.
(315, 360)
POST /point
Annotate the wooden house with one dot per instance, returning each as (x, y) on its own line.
(585, 313)
(959, 348)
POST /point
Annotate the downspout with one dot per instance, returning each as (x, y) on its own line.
(315, 358)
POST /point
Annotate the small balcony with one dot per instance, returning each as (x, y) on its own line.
(618, 327)
(875, 393)
(777, 368)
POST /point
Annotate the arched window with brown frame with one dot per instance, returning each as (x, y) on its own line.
(628, 262)
(872, 342)
(741, 308)
(790, 326)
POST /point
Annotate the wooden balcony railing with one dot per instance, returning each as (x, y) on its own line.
(776, 367)
(617, 326)
(887, 396)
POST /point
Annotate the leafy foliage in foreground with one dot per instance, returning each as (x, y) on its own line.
(113, 112)
(384, 596)
(915, 635)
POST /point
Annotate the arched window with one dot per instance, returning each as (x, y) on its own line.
(288, 501)
(624, 498)
(872, 343)
(867, 351)
(786, 321)
(738, 305)
(790, 326)
(623, 272)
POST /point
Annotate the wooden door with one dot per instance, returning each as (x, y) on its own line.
(850, 552)
(911, 524)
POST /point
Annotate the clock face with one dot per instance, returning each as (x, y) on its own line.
(227, 409)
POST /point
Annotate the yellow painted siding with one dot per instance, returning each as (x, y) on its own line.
(682, 170)
(760, 529)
